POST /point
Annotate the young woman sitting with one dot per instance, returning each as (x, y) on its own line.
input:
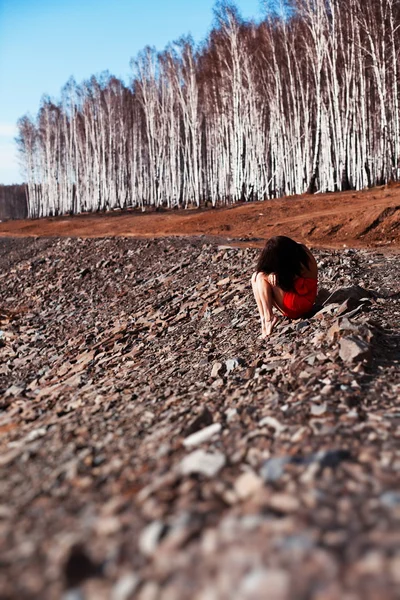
(286, 278)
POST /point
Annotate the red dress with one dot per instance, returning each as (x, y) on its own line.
(301, 300)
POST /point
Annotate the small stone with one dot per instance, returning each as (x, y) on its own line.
(247, 484)
(125, 587)
(299, 435)
(305, 374)
(327, 390)
(223, 282)
(149, 591)
(8, 457)
(107, 525)
(150, 537)
(14, 390)
(390, 499)
(353, 349)
(333, 331)
(204, 463)
(284, 503)
(317, 410)
(35, 434)
(218, 383)
(230, 414)
(5, 511)
(265, 583)
(201, 436)
(372, 563)
(273, 469)
(216, 369)
(232, 363)
(272, 422)
(318, 338)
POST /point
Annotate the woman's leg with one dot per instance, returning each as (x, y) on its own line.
(269, 296)
(264, 289)
(259, 303)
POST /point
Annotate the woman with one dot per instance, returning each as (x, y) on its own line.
(286, 278)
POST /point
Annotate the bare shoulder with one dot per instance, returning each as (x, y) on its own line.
(262, 275)
(312, 270)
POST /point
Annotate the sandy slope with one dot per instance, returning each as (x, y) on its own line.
(366, 218)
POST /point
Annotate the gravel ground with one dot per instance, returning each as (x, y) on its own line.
(152, 446)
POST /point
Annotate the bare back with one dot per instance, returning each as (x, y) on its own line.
(312, 269)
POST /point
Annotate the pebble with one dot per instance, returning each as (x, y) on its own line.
(261, 583)
(273, 469)
(203, 435)
(391, 499)
(317, 410)
(150, 537)
(223, 282)
(204, 463)
(216, 369)
(247, 484)
(125, 587)
(231, 364)
(284, 503)
(149, 591)
(353, 349)
(230, 414)
(107, 526)
(272, 422)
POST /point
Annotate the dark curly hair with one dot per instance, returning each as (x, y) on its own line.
(284, 257)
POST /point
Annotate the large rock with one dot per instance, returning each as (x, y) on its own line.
(353, 292)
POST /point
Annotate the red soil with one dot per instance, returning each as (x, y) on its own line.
(369, 218)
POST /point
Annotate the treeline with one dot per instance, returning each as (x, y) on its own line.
(306, 100)
(13, 202)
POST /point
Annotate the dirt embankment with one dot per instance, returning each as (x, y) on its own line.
(360, 219)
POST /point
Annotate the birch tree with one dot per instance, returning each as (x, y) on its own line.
(306, 99)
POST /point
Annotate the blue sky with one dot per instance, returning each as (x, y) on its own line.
(44, 42)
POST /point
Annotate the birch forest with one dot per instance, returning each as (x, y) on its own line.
(305, 100)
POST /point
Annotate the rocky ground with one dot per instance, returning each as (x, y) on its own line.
(153, 447)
